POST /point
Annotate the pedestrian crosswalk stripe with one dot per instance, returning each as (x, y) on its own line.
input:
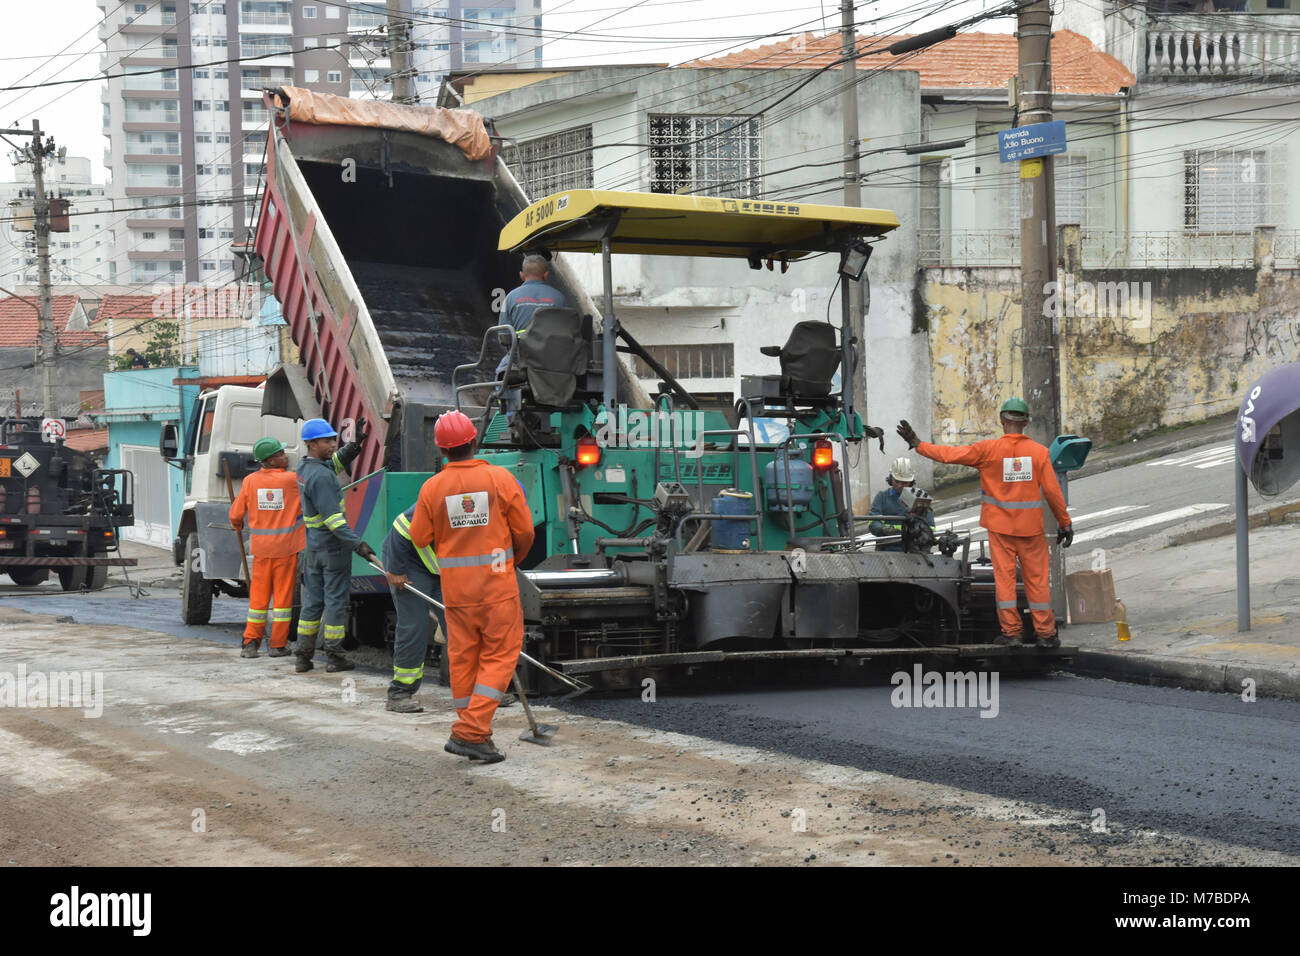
(1137, 524)
(1201, 455)
(1217, 461)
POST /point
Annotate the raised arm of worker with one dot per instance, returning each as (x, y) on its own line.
(321, 489)
(974, 455)
(342, 459)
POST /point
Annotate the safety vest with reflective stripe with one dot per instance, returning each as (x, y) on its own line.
(1015, 477)
(402, 525)
(268, 500)
(475, 516)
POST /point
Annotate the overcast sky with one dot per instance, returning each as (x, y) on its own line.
(58, 39)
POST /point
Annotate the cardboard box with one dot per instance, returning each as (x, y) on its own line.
(1091, 596)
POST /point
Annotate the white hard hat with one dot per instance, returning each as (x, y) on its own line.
(901, 470)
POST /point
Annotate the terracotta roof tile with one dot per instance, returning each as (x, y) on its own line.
(87, 439)
(969, 60)
(20, 326)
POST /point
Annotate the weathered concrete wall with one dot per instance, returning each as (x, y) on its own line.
(1183, 354)
(76, 371)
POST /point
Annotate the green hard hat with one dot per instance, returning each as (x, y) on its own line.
(266, 447)
(1015, 406)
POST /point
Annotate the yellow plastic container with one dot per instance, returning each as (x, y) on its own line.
(1121, 622)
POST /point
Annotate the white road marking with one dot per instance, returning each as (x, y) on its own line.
(1138, 524)
(1218, 461)
(1181, 460)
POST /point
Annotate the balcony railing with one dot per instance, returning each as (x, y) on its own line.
(154, 182)
(1109, 250)
(265, 19)
(254, 116)
(155, 116)
(1203, 47)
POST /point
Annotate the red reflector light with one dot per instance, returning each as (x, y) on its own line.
(588, 451)
(822, 456)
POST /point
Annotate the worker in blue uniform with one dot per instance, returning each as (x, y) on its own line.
(327, 560)
(889, 502)
(404, 564)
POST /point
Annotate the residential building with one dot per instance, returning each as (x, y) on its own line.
(1179, 243)
(83, 254)
(137, 404)
(186, 127)
(81, 355)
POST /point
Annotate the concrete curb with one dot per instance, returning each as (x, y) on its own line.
(1099, 466)
(1259, 519)
(1219, 677)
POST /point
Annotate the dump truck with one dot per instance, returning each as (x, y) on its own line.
(378, 231)
(59, 511)
(670, 534)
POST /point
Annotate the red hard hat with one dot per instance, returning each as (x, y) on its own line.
(454, 429)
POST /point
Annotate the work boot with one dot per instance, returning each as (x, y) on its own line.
(337, 662)
(485, 751)
(1049, 643)
(250, 649)
(507, 700)
(1007, 640)
(278, 651)
(404, 704)
(304, 665)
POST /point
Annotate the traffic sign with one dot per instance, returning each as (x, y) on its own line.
(1027, 142)
(53, 429)
(25, 464)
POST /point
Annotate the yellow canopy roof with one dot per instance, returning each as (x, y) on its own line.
(665, 224)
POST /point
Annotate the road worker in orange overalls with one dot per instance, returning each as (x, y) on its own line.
(269, 499)
(1015, 476)
(476, 518)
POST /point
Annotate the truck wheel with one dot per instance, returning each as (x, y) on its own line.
(196, 591)
(72, 579)
(97, 578)
(29, 577)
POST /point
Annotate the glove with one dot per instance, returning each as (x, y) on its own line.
(361, 431)
(906, 433)
(365, 551)
(1065, 536)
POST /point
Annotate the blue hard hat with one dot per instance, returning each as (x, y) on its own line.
(317, 428)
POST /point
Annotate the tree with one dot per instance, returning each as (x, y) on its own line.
(161, 350)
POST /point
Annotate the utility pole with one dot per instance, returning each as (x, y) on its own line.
(399, 52)
(855, 328)
(1037, 228)
(35, 154)
(1039, 331)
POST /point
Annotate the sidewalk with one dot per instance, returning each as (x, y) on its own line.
(1182, 611)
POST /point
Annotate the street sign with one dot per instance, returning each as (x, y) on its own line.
(25, 464)
(1027, 142)
(53, 429)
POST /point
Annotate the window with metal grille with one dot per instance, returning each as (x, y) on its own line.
(1080, 181)
(554, 163)
(708, 155)
(1231, 190)
(691, 361)
(933, 211)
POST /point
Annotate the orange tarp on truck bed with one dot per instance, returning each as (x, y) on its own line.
(461, 128)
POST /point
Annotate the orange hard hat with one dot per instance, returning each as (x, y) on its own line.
(453, 429)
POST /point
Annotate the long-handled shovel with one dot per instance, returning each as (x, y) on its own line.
(537, 733)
